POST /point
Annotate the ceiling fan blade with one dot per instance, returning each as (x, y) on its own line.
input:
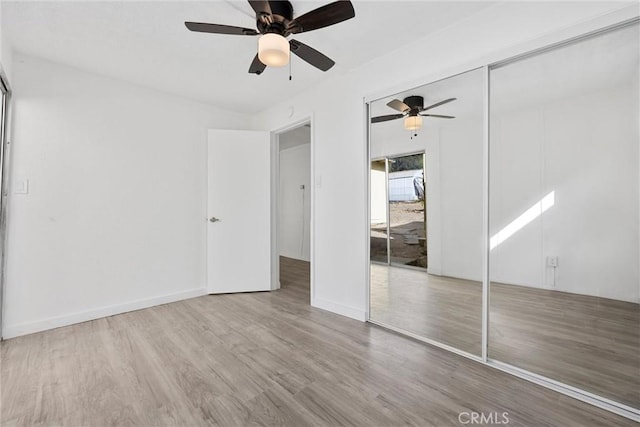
(438, 116)
(437, 104)
(261, 7)
(324, 16)
(256, 67)
(396, 104)
(311, 55)
(386, 118)
(220, 29)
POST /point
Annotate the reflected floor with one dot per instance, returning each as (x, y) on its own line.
(588, 342)
(441, 308)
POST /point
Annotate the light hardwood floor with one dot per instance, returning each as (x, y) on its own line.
(588, 342)
(263, 358)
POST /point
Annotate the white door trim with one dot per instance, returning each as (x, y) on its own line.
(5, 162)
(275, 198)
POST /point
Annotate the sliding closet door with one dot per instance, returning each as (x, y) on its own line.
(564, 218)
(431, 287)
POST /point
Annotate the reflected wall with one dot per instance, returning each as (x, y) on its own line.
(564, 219)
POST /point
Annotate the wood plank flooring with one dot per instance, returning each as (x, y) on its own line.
(444, 309)
(264, 358)
(588, 342)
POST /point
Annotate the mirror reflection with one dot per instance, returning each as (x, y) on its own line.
(397, 193)
(426, 211)
(379, 207)
(564, 196)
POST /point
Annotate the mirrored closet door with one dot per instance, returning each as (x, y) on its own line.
(554, 232)
(564, 219)
(426, 211)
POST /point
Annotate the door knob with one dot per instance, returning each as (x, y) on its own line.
(213, 219)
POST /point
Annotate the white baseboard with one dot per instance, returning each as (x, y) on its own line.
(343, 310)
(10, 331)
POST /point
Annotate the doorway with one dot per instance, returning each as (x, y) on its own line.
(293, 228)
(398, 211)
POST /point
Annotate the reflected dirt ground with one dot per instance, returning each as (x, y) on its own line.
(408, 237)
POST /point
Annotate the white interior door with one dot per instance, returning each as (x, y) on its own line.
(239, 209)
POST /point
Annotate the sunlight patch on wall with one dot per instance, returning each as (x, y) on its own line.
(517, 224)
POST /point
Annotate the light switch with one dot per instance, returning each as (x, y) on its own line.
(22, 187)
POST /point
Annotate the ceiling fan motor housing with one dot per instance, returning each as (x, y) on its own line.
(277, 22)
(415, 103)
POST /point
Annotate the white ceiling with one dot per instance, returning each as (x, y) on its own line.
(146, 43)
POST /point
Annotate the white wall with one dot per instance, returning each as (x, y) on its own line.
(115, 217)
(339, 134)
(453, 153)
(295, 203)
(5, 49)
(585, 150)
(2, 37)
(566, 123)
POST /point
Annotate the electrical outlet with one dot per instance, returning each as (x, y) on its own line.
(552, 261)
(21, 187)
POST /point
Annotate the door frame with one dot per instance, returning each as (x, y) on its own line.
(5, 157)
(275, 201)
(387, 159)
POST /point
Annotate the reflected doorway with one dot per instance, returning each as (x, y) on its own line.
(398, 211)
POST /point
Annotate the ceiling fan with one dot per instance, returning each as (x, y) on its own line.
(412, 108)
(275, 22)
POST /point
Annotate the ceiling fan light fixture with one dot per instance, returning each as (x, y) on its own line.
(273, 50)
(412, 122)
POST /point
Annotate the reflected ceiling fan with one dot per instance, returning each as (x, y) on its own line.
(412, 108)
(275, 22)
